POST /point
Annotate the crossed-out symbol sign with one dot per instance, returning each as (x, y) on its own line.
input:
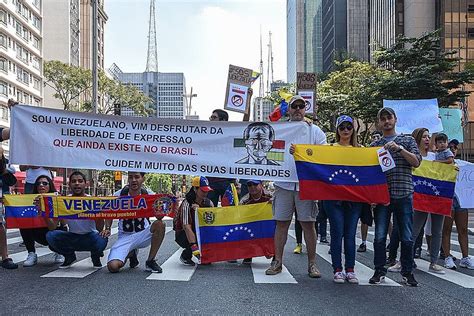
(308, 105)
(237, 100)
(386, 162)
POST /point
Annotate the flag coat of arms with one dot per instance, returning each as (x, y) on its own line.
(235, 232)
(434, 184)
(340, 173)
(21, 213)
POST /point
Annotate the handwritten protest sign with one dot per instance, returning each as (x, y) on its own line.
(465, 184)
(238, 81)
(412, 114)
(452, 127)
(55, 138)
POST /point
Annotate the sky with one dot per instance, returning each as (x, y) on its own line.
(199, 38)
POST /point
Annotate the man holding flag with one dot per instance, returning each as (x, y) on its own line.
(405, 152)
(287, 200)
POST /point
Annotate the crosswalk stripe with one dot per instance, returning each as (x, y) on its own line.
(14, 240)
(174, 270)
(78, 270)
(363, 272)
(452, 276)
(260, 264)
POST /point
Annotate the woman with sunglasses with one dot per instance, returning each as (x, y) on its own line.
(343, 215)
(43, 185)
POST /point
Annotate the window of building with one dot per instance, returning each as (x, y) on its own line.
(37, 22)
(3, 89)
(36, 62)
(3, 40)
(4, 113)
(36, 102)
(37, 3)
(3, 17)
(37, 83)
(25, 33)
(470, 8)
(470, 32)
(4, 65)
(36, 42)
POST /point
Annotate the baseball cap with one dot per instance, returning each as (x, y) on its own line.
(454, 142)
(202, 183)
(254, 181)
(344, 118)
(386, 110)
(296, 98)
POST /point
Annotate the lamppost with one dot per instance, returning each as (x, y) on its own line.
(191, 95)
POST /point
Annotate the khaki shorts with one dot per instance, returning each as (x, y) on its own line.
(285, 202)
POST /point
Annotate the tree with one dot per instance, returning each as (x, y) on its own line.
(422, 70)
(68, 82)
(159, 183)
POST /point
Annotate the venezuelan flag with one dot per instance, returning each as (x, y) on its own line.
(20, 212)
(235, 232)
(434, 187)
(230, 197)
(340, 173)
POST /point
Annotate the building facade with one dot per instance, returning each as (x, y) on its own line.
(21, 56)
(262, 108)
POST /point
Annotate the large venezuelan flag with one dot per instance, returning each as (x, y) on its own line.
(21, 213)
(434, 187)
(340, 173)
(235, 232)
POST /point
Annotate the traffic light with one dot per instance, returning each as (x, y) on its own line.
(117, 180)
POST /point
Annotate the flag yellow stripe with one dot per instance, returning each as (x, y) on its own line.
(436, 170)
(337, 155)
(234, 215)
(20, 199)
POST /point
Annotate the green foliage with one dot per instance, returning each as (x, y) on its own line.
(159, 183)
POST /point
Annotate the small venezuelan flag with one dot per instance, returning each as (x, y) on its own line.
(434, 187)
(230, 197)
(235, 232)
(20, 212)
(340, 173)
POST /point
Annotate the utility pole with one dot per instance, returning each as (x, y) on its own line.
(261, 88)
(95, 81)
(191, 95)
(270, 63)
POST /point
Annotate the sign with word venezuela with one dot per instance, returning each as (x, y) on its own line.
(73, 207)
(242, 150)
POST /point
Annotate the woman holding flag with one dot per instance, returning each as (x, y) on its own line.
(343, 215)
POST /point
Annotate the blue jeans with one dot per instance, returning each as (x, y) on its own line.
(343, 219)
(402, 210)
(66, 243)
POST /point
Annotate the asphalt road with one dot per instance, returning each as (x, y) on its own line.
(225, 288)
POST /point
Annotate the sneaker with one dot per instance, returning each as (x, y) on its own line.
(313, 271)
(247, 261)
(409, 279)
(417, 253)
(58, 258)
(351, 278)
(379, 276)
(9, 264)
(323, 240)
(395, 268)
(391, 262)
(449, 263)
(152, 266)
(467, 263)
(436, 269)
(362, 248)
(68, 261)
(339, 277)
(186, 262)
(427, 253)
(96, 262)
(134, 259)
(275, 268)
(31, 259)
(298, 249)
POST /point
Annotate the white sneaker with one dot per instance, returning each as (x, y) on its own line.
(467, 263)
(436, 269)
(449, 263)
(351, 278)
(339, 277)
(31, 260)
(395, 268)
(58, 258)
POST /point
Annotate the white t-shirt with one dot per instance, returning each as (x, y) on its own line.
(81, 226)
(317, 137)
(33, 174)
(430, 156)
(142, 221)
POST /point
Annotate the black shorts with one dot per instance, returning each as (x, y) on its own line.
(366, 216)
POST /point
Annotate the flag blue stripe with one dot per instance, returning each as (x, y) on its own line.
(340, 175)
(243, 231)
(21, 211)
(432, 187)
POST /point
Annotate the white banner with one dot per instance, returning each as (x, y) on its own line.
(412, 114)
(308, 97)
(465, 184)
(245, 150)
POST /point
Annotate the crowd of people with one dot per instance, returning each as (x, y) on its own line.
(398, 219)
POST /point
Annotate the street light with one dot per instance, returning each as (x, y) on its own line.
(191, 95)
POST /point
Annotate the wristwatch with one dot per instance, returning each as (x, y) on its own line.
(400, 148)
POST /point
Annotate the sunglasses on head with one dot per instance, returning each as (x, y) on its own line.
(300, 106)
(349, 127)
(43, 183)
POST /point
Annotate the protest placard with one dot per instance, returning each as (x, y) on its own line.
(239, 81)
(465, 184)
(306, 87)
(452, 125)
(412, 114)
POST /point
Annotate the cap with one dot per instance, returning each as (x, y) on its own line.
(454, 142)
(296, 98)
(386, 110)
(202, 183)
(254, 181)
(344, 118)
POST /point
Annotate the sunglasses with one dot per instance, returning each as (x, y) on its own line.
(250, 184)
(343, 127)
(298, 106)
(43, 183)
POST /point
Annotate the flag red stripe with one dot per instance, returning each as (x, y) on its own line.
(224, 251)
(432, 204)
(318, 190)
(26, 222)
(278, 144)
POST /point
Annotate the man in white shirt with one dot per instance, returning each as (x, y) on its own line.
(286, 201)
